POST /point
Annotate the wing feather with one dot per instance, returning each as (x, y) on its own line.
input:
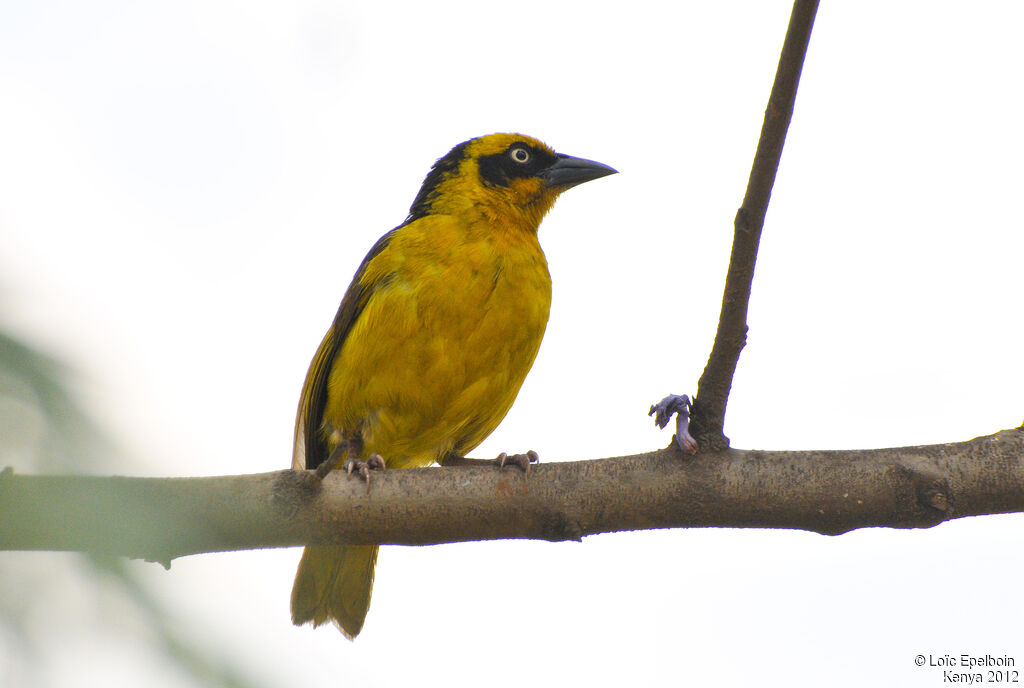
(310, 448)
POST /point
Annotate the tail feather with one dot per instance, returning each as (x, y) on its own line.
(334, 583)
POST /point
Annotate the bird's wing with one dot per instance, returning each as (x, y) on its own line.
(310, 448)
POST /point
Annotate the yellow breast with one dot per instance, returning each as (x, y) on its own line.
(450, 329)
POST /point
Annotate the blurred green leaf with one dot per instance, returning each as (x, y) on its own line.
(43, 429)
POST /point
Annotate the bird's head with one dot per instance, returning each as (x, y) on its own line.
(510, 179)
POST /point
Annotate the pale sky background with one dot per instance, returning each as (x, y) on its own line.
(186, 189)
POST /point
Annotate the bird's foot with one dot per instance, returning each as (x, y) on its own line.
(678, 406)
(503, 459)
(375, 462)
(342, 450)
(521, 460)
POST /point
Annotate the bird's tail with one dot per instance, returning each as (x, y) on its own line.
(334, 583)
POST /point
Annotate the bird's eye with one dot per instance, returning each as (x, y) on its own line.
(520, 155)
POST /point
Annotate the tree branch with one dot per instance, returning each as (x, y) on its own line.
(708, 414)
(828, 492)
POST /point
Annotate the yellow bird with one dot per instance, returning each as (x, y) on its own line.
(432, 340)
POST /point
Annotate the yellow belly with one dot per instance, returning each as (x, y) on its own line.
(445, 341)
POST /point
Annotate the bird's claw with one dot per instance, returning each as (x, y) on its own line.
(375, 462)
(521, 460)
(679, 406)
(344, 448)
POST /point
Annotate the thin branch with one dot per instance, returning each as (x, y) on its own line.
(829, 492)
(708, 415)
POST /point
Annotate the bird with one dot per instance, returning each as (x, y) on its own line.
(431, 342)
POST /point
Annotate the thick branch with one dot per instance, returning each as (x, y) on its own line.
(824, 491)
(716, 381)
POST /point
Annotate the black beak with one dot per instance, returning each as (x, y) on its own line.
(568, 171)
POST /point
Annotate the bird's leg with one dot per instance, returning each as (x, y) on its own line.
(678, 405)
(342, 449)
(503, 459)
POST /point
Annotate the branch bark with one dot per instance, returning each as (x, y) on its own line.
(828, 492)
(708, 413)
